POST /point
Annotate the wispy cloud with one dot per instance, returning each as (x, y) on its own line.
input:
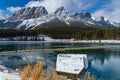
(8, 12)
(3, 14)
(110, 11)
(13, 9)
(70, 5)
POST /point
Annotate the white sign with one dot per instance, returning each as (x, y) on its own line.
(71, 63)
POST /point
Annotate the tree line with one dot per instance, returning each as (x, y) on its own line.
(66, 33)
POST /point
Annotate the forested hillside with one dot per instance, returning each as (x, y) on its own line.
(66, 33)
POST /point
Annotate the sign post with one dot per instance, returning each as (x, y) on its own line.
(71, 65)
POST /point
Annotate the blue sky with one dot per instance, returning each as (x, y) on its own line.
(8, 3)
(107, 8)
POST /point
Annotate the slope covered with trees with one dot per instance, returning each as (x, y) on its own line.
(66, 33)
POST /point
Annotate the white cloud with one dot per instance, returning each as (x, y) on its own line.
(13, 9)
(110, 11)
(4, 14)
(1, 15)
(70, 5)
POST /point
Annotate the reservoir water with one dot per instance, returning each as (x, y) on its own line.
(103, 63)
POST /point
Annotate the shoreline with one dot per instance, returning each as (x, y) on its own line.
(96, 41)
(72, 41)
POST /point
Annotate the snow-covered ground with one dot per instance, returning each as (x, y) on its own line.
(96, 41)
(81, 41)
(48, 39)
(6, 75)
(9, 76)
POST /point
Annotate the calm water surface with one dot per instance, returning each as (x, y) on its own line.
(104, 63)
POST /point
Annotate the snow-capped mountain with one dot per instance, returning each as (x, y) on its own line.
(115, 23)
(38, 17)
(28, 13)
(101, 21)
(60, 12)
(82, 16)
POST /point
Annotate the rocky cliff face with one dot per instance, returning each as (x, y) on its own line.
(82, 16)
(60, 11)
(28, 13)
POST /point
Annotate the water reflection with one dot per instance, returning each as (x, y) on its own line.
(104, 63)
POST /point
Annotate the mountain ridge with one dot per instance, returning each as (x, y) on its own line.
(38, 17)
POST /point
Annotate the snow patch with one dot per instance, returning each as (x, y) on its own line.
(35, 22)
(9, 76)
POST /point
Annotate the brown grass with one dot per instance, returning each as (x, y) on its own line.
(55, 76)
(26, 72)
(89, 77)
(36, 72)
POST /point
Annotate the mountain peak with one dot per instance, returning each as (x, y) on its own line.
(82, 15)
(28, 13)
(60, 11)
(100, 19)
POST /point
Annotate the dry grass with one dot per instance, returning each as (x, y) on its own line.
(89, 77)
(55, 76)
(26, 72)
(36, 72)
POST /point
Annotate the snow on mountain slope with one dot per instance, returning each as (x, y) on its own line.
(101, 21)
(32, 23)
(115, 24)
